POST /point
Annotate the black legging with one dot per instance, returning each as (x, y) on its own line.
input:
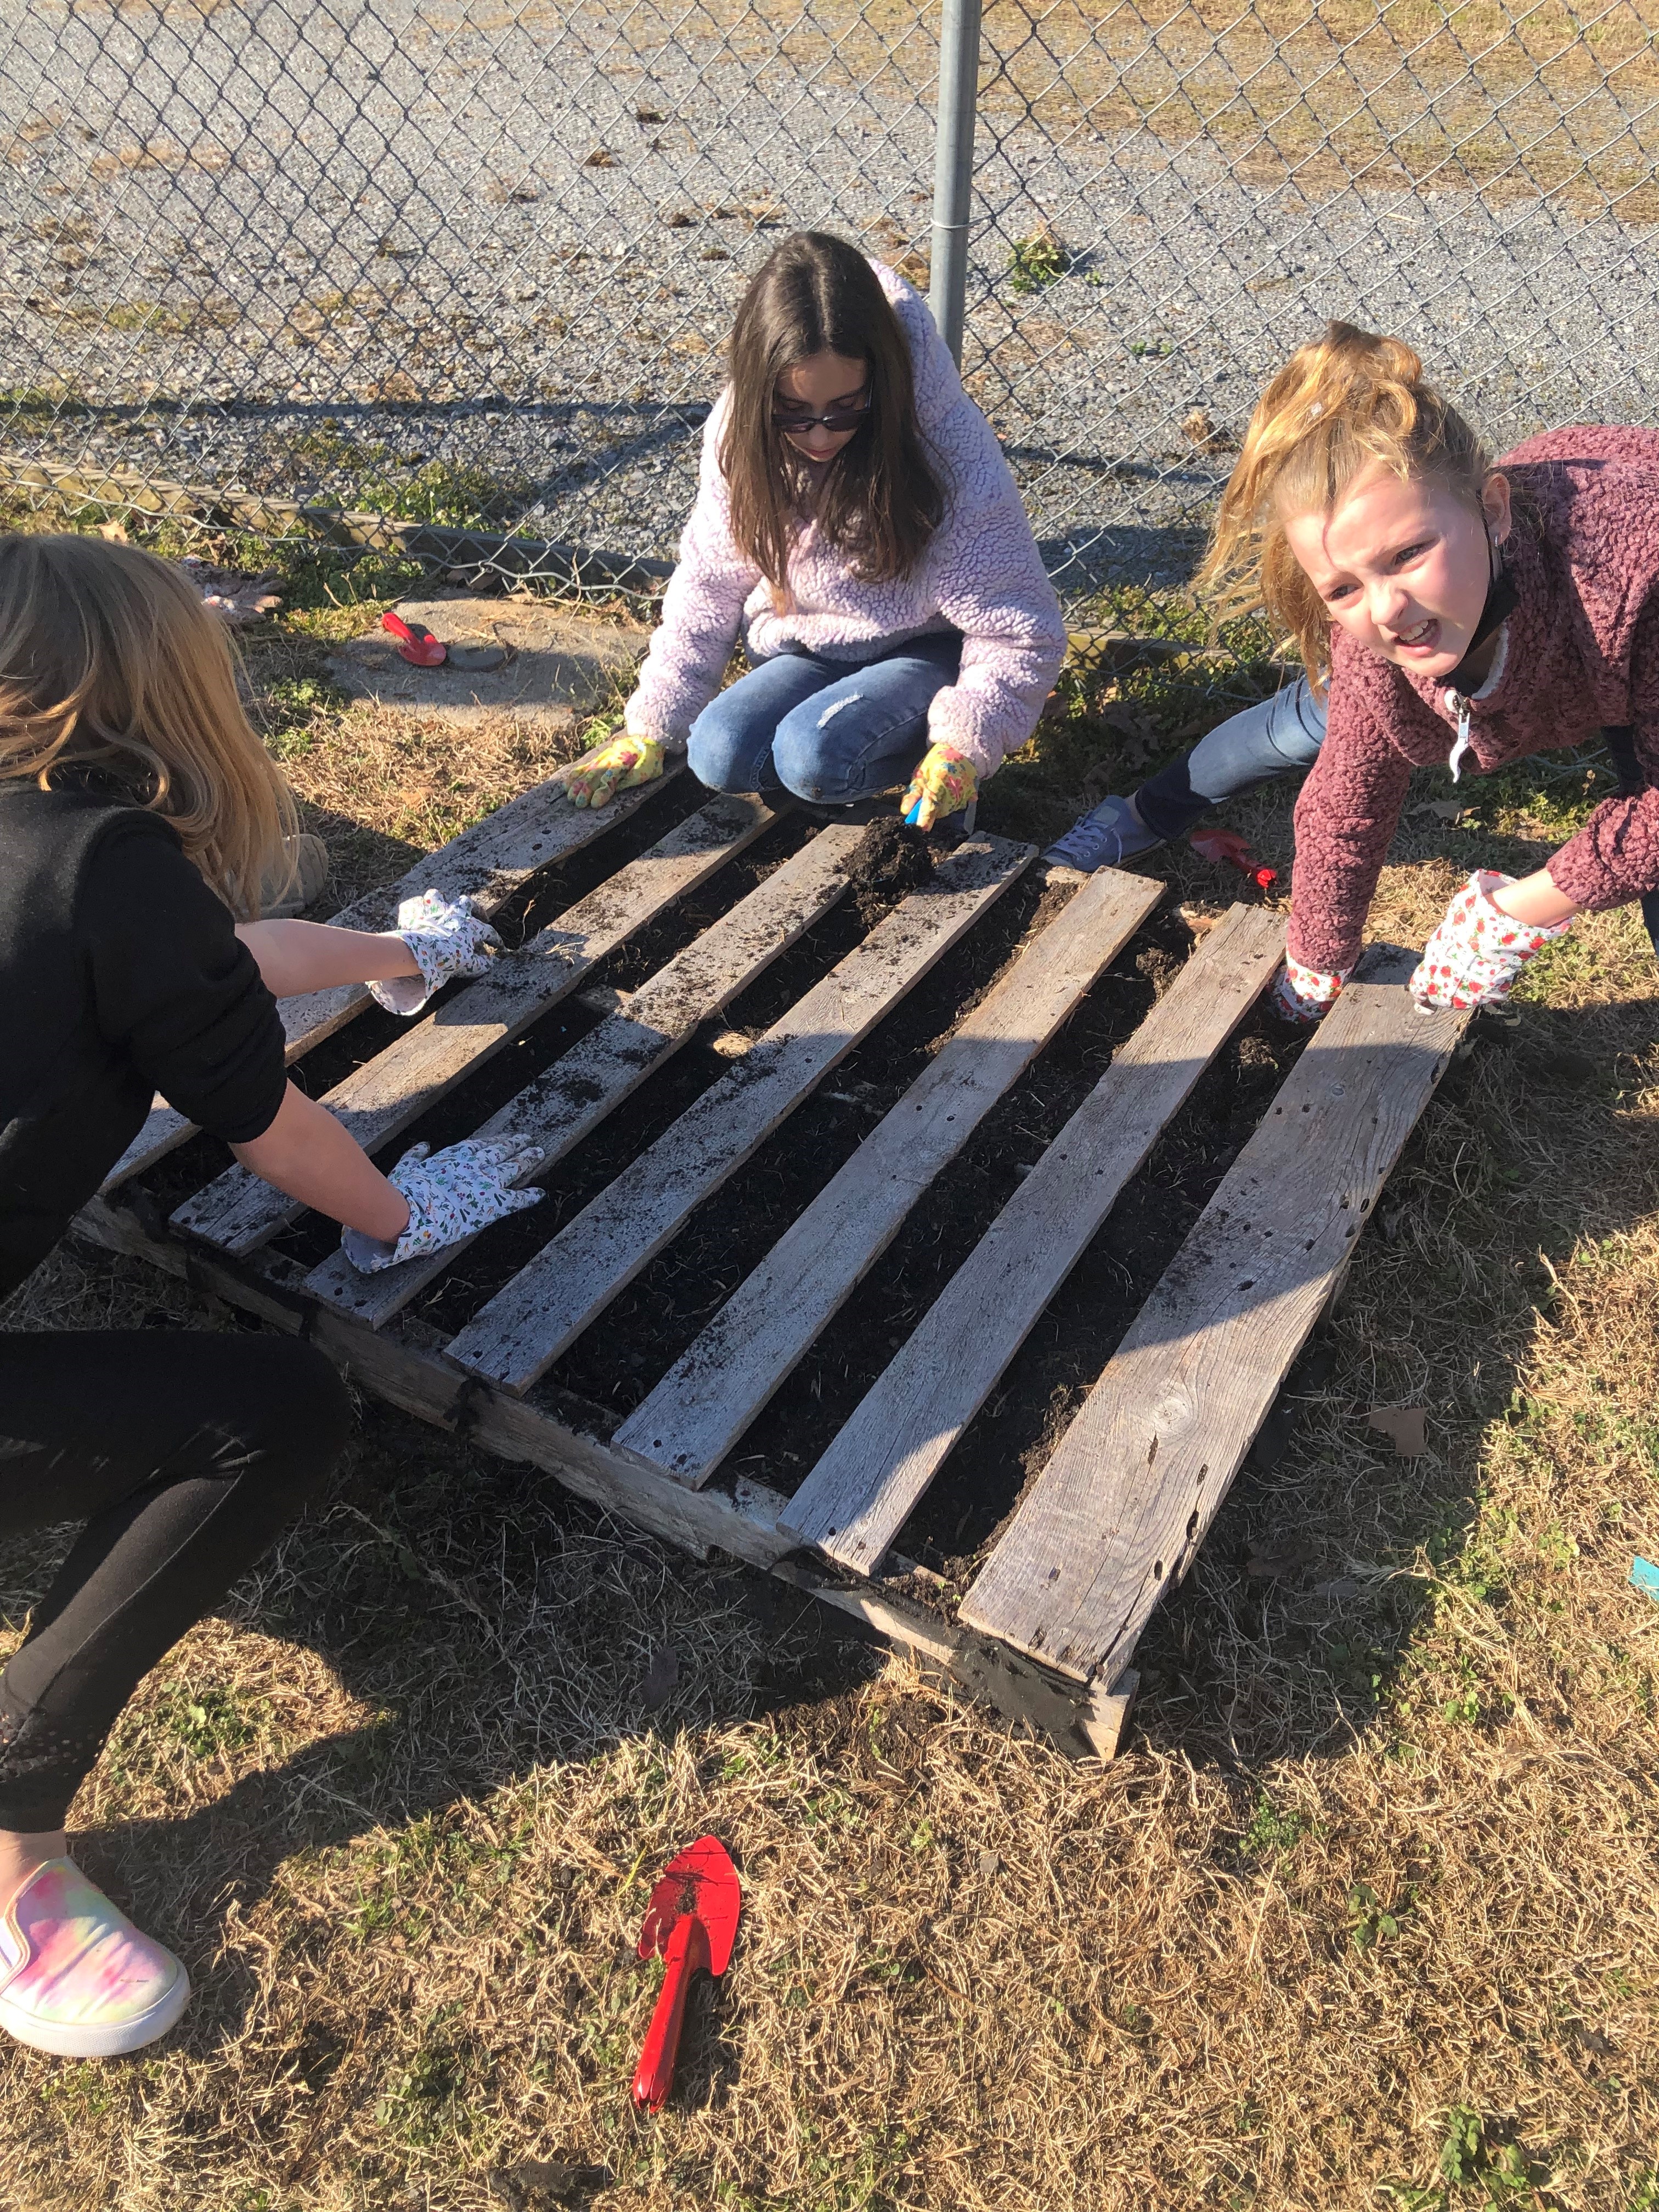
(184, 1454)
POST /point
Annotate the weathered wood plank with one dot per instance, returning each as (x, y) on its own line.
(238, 1211)
(548, 1303)
(488, 862)
(1117, 1515)
(854, 1501)
(1090, 1726)
(401, 1365)
(569, 1098)
(712, 1393)
(407, 1371)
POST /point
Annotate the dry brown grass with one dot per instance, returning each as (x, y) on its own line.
(1364, 1917)
(382, 787)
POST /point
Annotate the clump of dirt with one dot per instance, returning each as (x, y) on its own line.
(890, 861)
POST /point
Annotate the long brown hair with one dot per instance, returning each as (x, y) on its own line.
(110, 665)
(1351, 401)
(881, 499)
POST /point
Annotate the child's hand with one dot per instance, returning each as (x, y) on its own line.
(944, 783)
(617, 766)
(1474, 956)
(1304, 995)
(446, 939)
(452, 1194)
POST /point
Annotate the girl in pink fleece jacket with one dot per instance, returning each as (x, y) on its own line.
(1467, 614)
(857, 525)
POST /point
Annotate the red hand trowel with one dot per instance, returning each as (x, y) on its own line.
(692, 1919)
(1220, 847)
(414, 642)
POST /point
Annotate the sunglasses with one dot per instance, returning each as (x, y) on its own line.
(833, 418)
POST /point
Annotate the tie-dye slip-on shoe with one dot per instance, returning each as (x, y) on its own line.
(76, 1977)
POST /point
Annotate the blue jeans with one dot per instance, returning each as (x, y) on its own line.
(826, 730)
(1278, 737)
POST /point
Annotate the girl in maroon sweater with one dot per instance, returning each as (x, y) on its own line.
(1466, 613)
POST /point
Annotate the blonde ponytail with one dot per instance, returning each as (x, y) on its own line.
(1352, 402)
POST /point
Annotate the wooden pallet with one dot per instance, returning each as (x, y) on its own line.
(1047, 1631)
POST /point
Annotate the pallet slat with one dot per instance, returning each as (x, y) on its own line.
(488, 862)
(548, 1304)
(859, 1493)
(238, 1211)
(1116, 1517)
(569, 1098)
(710, 1396)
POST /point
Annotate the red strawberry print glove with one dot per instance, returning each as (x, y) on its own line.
(1305, 994)
(1474, 956)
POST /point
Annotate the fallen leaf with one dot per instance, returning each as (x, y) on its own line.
(600, 158)
(1335, 1593)
(1601, 2045)
(1444, 809)
(1404, 1427)
(113, 531)
(648, 115)
(661, 1677)
(990, 1865)
(1198, 430)
(1139, 741)
(400, 385)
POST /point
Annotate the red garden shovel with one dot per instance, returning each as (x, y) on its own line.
(1226, 846)
(692, 1919)
(415, 642)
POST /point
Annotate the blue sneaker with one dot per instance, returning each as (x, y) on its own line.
(1112, 833)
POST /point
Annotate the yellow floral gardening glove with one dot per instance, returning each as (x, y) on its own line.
(616, 766)
(944, 783)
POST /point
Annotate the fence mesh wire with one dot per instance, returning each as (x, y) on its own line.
(471, 262)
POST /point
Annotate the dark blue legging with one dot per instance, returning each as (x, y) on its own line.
(184, 1454)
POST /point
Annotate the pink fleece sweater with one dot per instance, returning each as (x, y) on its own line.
(981, 574)
(1580, 651)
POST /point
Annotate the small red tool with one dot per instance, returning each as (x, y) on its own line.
(1226, 846)
(415, 642)
(692, 1919)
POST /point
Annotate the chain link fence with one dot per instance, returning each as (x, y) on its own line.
(389, 270)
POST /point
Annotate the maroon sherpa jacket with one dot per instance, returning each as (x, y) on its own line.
(1581, 650)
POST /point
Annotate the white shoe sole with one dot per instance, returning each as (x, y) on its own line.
(64, 2039)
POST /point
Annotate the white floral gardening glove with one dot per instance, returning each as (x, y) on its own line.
(943, 782)
(617, 766)
(1475, 955)
(448, 940)
(1306, 994)
(452, 1194)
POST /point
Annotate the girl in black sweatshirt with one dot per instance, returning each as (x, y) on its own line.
(135, 802)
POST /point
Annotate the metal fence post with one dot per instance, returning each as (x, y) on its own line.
(953, 167)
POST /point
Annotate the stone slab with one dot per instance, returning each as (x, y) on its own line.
(558, 665)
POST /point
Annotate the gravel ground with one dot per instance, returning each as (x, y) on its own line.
(476, 263)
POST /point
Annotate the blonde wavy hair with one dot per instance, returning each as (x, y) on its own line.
(1352, 402)
(110, 665)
